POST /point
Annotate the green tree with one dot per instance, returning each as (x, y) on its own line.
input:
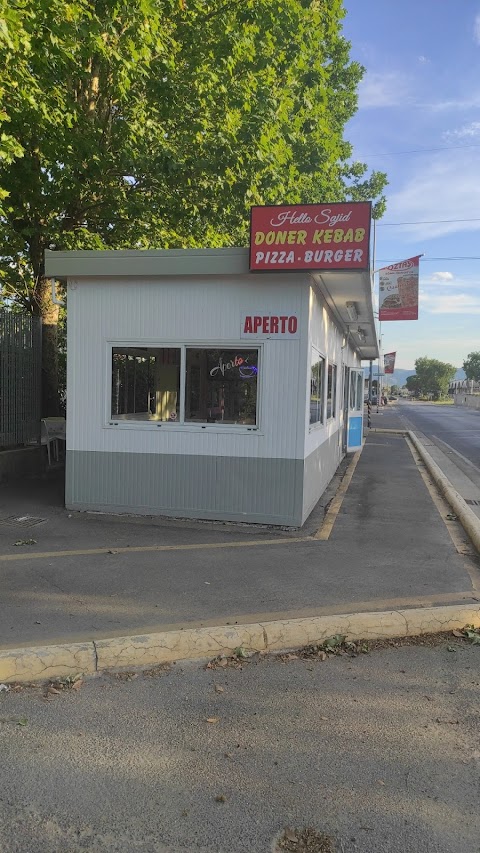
(395, 389)
(471, 366)
(159, 122)
(433, 376)
(412, 385)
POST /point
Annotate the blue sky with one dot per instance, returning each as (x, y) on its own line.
(422, 91)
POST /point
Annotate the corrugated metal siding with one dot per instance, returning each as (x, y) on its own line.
(325, 335)
(320, 466)
(184, 311)
(256, 490)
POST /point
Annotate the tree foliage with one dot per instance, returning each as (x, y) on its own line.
(471, 366)
(412, 385)
(157, 123)
(432, 377)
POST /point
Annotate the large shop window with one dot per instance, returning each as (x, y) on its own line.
(221, 386)
(332, 391)
(145, 383)
(316, 387)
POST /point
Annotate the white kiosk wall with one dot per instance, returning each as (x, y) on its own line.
(245, 471)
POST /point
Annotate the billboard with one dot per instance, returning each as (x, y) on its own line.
(389, 362)
(284, 238)
(398, 290)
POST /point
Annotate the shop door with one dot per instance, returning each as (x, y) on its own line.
(355, 410)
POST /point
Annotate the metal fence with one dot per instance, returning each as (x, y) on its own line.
(20, 379)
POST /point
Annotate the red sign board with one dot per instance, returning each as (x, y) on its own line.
(398, 290)
(284, 238)
(389, 362)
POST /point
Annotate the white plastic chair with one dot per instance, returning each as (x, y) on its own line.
(53, 431)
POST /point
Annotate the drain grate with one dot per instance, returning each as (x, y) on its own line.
(22, 520)
(472, 502)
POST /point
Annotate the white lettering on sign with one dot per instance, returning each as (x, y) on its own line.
(325, 216)
(291, 216)
(272, 325)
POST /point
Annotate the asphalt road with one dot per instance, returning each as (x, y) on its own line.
(459, 427)
(380, 752)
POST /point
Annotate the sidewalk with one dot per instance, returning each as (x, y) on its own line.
(389, 549)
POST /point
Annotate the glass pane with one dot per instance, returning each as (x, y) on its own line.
(353, 389)
(316, 388)
(145, 384)
(334, 390)
(360, 383)
(331, 390)
(221, 386)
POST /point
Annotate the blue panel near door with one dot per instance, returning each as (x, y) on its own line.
(355, 429)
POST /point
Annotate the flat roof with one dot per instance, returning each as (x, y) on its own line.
(145, 262)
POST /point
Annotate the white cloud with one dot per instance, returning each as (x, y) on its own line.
(389, 89)
(423, 59)
(457, 303)
(476, 29)
(468, 131)
(442, 188)
(458, 104)
(438, 277)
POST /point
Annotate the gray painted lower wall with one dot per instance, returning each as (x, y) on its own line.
(266, 491)
(319, 469)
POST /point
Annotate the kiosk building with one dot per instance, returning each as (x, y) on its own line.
(200, 385)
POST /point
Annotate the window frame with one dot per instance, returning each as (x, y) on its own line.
(322, 359)
(181, 425)
(136, 345)
(333, 387)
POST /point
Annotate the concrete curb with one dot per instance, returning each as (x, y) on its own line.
(47, 662)
(467, 518)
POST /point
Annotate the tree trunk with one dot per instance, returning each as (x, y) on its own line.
(49, 316)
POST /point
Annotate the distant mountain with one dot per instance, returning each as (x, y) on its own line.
(400, 376)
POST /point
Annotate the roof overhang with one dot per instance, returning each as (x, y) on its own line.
(349, 295)
(341, 290)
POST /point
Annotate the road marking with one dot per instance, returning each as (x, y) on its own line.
(322, 534)
(325, 529)
(37, 555)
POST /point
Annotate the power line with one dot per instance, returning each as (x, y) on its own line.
(419, 150)
(426, 222)
(452, 258)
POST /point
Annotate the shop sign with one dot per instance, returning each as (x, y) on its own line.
(284, 238)
(398, 290)
(270, 326)
(389, 362)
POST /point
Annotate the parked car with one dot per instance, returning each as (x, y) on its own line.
(393, 398)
